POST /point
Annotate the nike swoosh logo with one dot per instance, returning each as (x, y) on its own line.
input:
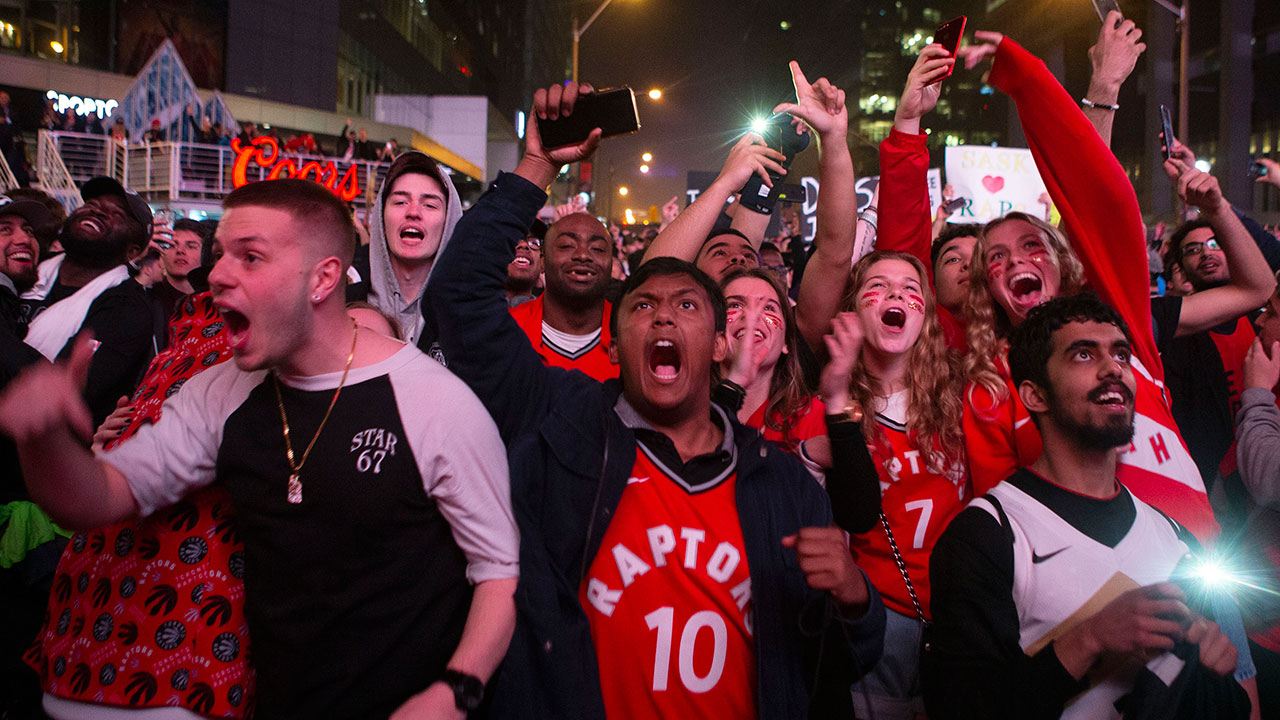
(1037, 559)
(634, 480)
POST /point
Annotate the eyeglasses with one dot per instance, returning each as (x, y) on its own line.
(1196, 248)
(532, 242)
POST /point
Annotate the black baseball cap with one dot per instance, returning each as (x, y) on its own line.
(103, 185)
(30, 210)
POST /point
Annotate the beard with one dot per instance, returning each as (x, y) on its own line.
(104, 252)
(1116, 431)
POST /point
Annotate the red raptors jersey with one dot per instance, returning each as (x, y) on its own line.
(668, 597)
(1156, 466)
(592, 360)
(810, 422)
(918, 503)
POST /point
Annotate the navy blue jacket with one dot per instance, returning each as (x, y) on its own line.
(570, 456)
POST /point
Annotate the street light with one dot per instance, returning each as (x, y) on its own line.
(644, 169)
(623, 191)
(579, 30)
(57, 46)
(655, 94)
(647, 157)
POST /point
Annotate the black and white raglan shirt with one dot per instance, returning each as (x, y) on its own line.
(357, 596)
(1005, 587)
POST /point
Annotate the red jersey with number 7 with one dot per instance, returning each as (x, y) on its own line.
(918, 502)
(668, 598)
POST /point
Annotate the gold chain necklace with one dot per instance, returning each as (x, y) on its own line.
(295, 483)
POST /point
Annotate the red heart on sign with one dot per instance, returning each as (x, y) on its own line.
(993, 184)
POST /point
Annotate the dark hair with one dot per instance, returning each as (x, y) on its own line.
(1031, 343)
(772, 247)
(194, 226)
(538, 229)
(410, 162)
(721, 233)
(1174, 252)
(663, 267)
(309, 203)
(949, 233)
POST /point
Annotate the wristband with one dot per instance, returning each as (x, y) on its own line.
(1100, 106)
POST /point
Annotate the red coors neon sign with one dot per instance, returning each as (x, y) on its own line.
(265, 153)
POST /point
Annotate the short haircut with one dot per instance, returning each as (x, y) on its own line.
(721, 233)
(194, 226)
(310, 204)
(949, 233)
(771, 247)
(1174, 253)
(1031, 343)
(663, 267)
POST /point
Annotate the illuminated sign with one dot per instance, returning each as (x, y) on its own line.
(82, 105)
(265, 153)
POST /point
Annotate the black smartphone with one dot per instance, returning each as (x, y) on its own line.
(792, 193)
(954, 205)
(1166, 127)
(1105, 6)
(948, 36)
(1257, 169)
(613, 111)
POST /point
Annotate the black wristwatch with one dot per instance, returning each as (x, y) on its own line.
(468, 691)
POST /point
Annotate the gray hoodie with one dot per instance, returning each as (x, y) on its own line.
(384, 289)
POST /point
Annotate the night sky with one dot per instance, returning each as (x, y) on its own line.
(718, 64)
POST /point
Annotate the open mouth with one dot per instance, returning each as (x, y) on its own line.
(22, 256)
(413, 234)
(1024, 285)
(1209, 266)
(664, 360)
(1114, 397)
(894, 317)
(522, 261)
(237, 328)
(91, 224)
(581, 273)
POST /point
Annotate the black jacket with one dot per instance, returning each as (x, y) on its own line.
(570, 457)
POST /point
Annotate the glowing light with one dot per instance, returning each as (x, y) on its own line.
(644, 168)
(57, 46)
(623, 191)
(758, 125)
(655, 94)
(1213, 574)
(784, 25)
(1202, 165)
(647, 157)
(630, 217)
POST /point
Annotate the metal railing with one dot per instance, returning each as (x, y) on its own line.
(169, 172)
(7, 180)
(55, 178)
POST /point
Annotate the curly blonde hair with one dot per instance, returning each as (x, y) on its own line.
(934, 410)
(989, 326)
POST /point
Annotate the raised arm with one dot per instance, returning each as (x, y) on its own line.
(683, 236)
(1113, 57)
(1251, 280)
(483, 344)
(1100, 212)
(904, 223)
(44, 413)
(821, 106)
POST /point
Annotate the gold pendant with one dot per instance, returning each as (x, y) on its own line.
(295, 489)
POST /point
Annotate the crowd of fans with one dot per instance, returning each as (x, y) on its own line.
(16, 147)
(482, 464)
